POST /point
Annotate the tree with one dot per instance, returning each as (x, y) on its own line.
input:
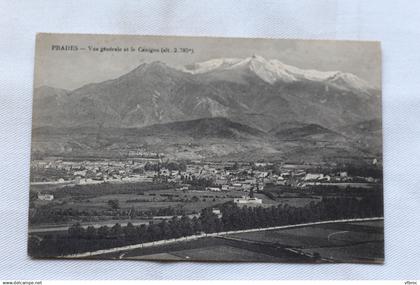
(103, 232)
(218, 225)
(117, 235)
(165, 230)
(154, 231)
(76, 231)
(186, 226)
(197, 228)
(142, 233)
(208, 220)
(91, 233)
(116, 231)
(130, 233)
(174, 224)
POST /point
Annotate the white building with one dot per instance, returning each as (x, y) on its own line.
(183, 188)
(45, 197)
(81, 173)
(217, 212)
(83, 181)
(247, 200)
(225, 187)
(214, 189)
(313, 176)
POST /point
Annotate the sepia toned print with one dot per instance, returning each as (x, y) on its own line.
(206, 149)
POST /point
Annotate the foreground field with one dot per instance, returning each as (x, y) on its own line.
(342, 242)
(209, 249)
(90, 204)
(335, 242)
(212, 253)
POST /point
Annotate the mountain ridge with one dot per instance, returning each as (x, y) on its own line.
(156, 93)
(243, 105)
(197, 139)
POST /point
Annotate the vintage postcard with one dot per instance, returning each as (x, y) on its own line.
(206, 149)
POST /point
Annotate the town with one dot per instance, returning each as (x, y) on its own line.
(198, 175)
(149, 198)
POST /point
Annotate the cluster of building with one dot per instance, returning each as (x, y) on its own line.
(222, 176)
(94, 172)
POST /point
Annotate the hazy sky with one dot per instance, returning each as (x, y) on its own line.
(73, 69)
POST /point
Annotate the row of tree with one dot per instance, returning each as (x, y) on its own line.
(79, 239)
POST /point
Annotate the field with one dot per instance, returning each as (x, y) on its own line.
(209, 249)
(339, 242)
(335, 242)
(212, 253)
(90, 203)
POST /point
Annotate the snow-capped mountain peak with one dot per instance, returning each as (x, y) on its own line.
(211, 65)
(274, 70)
(263, 68)
(268, 71)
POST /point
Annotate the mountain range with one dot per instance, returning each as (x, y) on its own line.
(253, 102)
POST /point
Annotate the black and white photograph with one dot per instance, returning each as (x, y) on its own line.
(169, 148)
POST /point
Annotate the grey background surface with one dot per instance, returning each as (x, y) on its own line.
(395, 24)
